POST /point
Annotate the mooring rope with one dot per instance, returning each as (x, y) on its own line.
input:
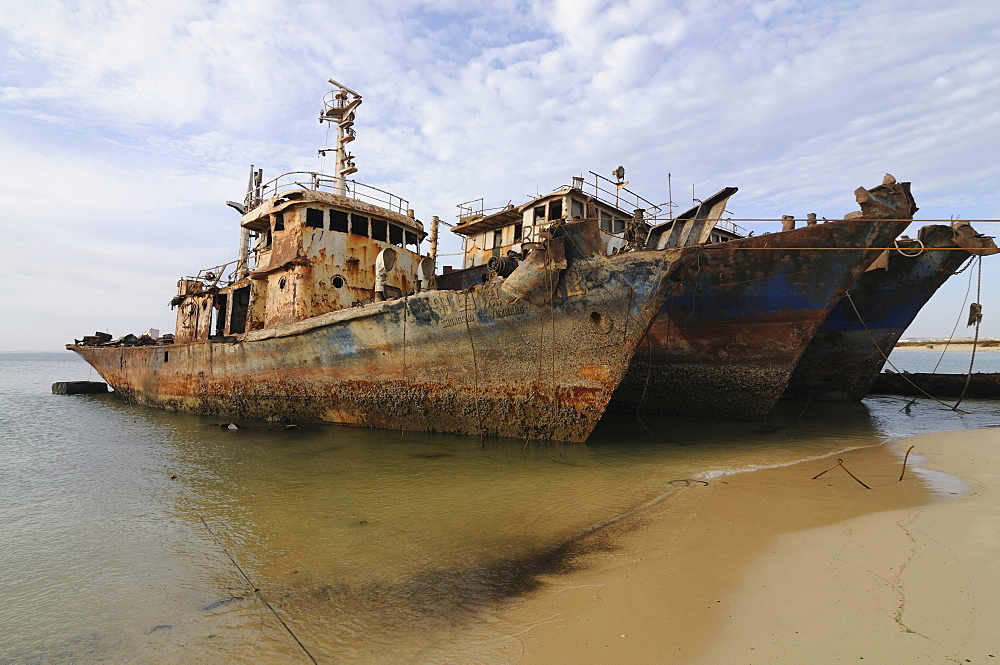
(975, 340)
(249, 581)
(961, 311)
(552, 344)
(404, 356)
(475, 366)
(896, 369)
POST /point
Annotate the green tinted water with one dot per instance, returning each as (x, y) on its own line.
(373, 546)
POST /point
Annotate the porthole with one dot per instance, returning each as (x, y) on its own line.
(337, 282)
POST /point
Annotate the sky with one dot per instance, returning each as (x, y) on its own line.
(125, 125)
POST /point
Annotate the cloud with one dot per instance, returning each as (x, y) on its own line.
(127, 119)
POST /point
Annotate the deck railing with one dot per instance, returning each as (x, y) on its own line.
(732, 227)
(319, 182)
(610, 192)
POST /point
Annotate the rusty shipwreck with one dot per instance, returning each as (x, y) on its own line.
(730, 334)
(333, 314)
(844, 359)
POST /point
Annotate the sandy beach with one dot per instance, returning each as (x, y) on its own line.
(772, 566)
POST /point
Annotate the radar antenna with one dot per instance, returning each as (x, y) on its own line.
(338, 108)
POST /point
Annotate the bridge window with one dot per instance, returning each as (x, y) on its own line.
(577, 208)
(412, 239)
(606, 225)
(555, 209)
(395, 235)
(379, 229)
(518, 229)
(314, 218)
(338, 221)
(279, 221)
(539, 212)
(359, 225)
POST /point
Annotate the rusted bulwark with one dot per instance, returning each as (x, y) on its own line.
(729, 335)
(845, 357)
(476, 361)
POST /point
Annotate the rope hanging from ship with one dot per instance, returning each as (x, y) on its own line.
(902, 251)
(475, 369)
(975, 318)
(961, 312)
(552, 343)
(405, 305)
(896, 369)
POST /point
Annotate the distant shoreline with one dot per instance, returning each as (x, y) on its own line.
(983, 345)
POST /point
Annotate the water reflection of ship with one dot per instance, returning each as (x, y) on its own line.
(314, 512)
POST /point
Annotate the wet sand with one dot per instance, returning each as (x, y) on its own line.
(774, 567)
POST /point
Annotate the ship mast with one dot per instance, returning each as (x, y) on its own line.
(338, 108)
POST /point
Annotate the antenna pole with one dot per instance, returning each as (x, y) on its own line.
(670, 197)
(338, 107)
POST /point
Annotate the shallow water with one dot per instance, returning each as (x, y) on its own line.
(944, 360)
(373, 546)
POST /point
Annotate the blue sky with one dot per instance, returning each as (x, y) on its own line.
(126, 125)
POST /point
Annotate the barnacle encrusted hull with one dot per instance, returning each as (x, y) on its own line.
(727, 340)
(476, 361)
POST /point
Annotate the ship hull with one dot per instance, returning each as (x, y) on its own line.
(476, 361)
(726, 343)
(845, 357)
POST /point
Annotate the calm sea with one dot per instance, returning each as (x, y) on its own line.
(945, 360)
(118, 522)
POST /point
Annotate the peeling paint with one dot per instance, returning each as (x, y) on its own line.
(729, 336)
(843, 360)
(531, 368)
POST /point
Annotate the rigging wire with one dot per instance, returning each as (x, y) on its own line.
(961, 312)
(975, 341)
(475, 368)
(896, 369)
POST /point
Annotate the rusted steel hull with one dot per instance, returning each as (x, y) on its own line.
(845, 357)
(981, 385)
(476, 361)
(729, 335)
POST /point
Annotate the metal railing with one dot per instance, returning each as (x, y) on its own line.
(473, 210)
(319, 182)
(217, 276)
(732, 227)
(608, 191)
